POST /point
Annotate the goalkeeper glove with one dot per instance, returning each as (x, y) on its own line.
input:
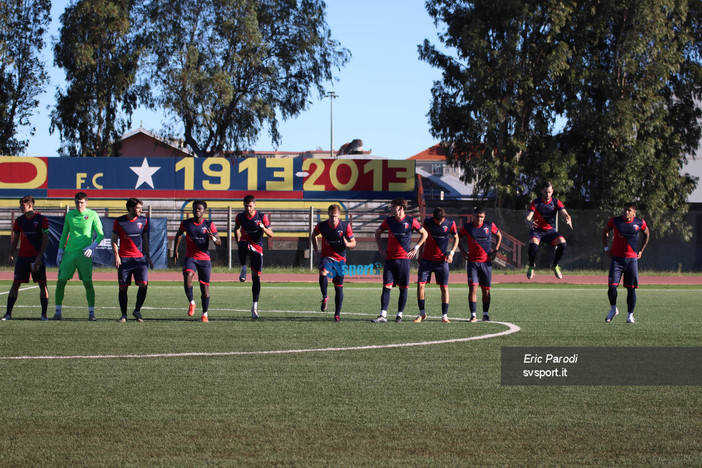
(88, 251)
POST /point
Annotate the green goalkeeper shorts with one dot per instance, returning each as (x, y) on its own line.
(73, 261)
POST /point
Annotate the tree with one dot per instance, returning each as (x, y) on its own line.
(226, 68)
(501, 89)
(22, 75)
(100, 56)
(623, 74)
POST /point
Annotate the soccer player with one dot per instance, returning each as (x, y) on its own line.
(33, 229)
(132, 256)
(337, 236)
(436, 257)
(82, 232)
(198, 234)
(625, 255)
(541, 218)
(249, 227)
(397, 256)
(480, 255)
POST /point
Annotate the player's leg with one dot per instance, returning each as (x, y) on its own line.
(560, 244)
(85, 273)
(338, 296)
(189, 269)
(66, 269)
(423, 276)
(485, 281)
(615, 273)
(204, 271)
(631, 282)
(441, 273)
(388, 282)
(141, 278)
(324, 282)
(534, 241)
(243, 248)
(402, 279)
(256, 259)
(123, 280)
(39, 277)
(473, 290)
(12, 297)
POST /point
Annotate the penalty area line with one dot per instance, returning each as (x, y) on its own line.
(511, 328)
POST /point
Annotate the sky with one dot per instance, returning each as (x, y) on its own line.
(383, 93)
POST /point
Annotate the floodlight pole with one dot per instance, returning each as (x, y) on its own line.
(331, 95)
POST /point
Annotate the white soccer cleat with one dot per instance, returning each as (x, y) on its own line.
(612, 313)
(254, 311)
(631, 320)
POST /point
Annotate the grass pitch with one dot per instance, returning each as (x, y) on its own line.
(436, 405)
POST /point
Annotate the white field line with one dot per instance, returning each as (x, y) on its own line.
(511, 328)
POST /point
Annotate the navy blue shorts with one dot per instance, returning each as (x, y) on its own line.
(202, 267)
(629, 267)
(23, 268)
(396, 273)
(135, 266)
(334, 269)
(549, 236)
(440, 270)
(480, 273)
(255, 258)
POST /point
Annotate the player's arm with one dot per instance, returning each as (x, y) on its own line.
(44, 244)
(379, 243)
(176, 243)
(145, 244)
(97, 235)
(423, 236)
(214, 237)
(456, 244)
(13, 244)
(530, 219)
(646, 236)
(267, 230)
(115, 249)
(493, 254)
(567, 218)
(605, 240)
(460, 246)
(349, 239)
(63, 239)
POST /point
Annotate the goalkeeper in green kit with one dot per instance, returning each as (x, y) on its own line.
(82, 232)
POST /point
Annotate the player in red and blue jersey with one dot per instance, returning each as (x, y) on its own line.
(541, 218)
(625, 254)
(130, 244)
(397, 255)
(337, 236)
(199, 232)
(480, 255)
(33, 231)
(249, 227)
(436, 258)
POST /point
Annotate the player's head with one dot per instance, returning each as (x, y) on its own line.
(27, 203)
(249, 199)
(199, 207)
(478, 215)
(81, 201)
(547, 189)
(334, 212)
(250, 204)
(439, 214)
(398, 207)
(629, 211)
(134, 206)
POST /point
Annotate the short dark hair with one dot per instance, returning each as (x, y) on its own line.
(400, 202)
(248, 199)
(334, 207)
(630, 205)
(546, 184)
(81, 196)
(132, 202)
(199, 202)
(479, 210)
(439, 213)
(27, 199)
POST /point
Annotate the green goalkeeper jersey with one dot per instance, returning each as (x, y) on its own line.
(79, 228)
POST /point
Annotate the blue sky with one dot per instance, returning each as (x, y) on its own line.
(384, 92)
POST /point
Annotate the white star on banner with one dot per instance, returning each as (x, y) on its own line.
(145, 174)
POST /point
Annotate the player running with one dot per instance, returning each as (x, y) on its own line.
(541, 218)
(436, 258)
(132, 256)
(397, 256)
(249, 227)
(337, 236)
(198, 234)
(625, 256)
(480, 255)
(82, 232)
(33, 230)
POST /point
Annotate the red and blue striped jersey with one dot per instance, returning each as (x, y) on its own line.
(626, 236)
(31, 231)
(545, 212)
(197, 240)
(437, 245)
(479, 240)
(251, 231)
(399, 235)
(131, 235)
(332, 239)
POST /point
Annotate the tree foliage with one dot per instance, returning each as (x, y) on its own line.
(227, 68)
(100, 56)
(623, 75)
(22, 74)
